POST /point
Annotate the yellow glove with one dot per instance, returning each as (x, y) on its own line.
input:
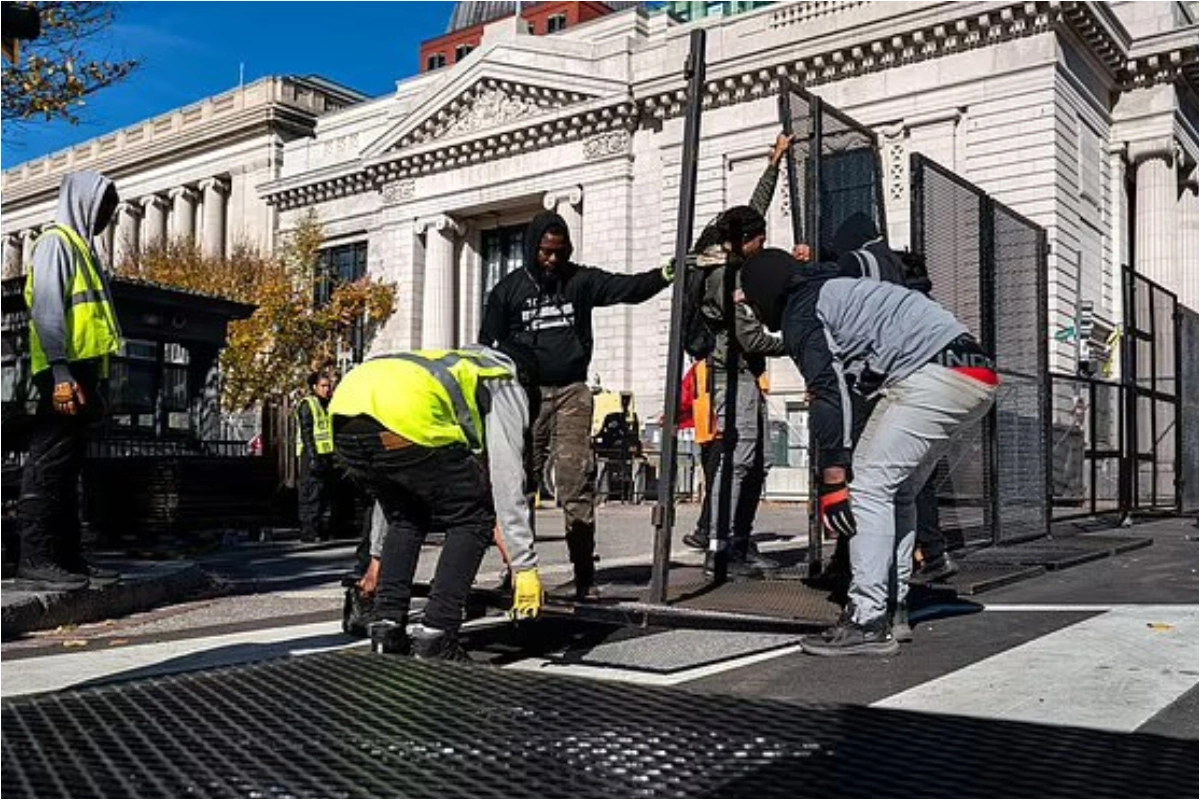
(528, 595)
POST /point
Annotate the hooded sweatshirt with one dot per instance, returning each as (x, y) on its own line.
(79, 207)
(834, 324)
(551, 312)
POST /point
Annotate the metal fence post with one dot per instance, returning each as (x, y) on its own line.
(664, 509)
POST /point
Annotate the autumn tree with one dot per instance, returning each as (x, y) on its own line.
(270, 355)
(64, 65)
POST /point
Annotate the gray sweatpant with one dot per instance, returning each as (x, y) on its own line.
(744, 462)
(910, 429)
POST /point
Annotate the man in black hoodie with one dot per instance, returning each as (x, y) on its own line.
(547, 307)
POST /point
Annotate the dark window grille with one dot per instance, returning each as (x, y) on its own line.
(337, 266)
(556, 23)
(435, 61)
(503, 252)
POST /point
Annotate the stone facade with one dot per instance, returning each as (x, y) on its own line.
(1081, 116)
(192, 174)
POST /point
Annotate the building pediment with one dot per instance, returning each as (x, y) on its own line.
(491, 94)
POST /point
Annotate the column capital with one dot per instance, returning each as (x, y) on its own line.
(1161, 148)
(153, 201)
(572, 195)
(214, 185)
(30, 233)
(186, 192)
(129, 208)
(440, 223)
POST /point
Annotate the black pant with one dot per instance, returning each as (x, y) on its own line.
(710, 458)
(48, 508)
(315, 492)
(419, 488)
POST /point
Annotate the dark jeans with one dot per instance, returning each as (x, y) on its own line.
(930, 539)
(315, 489)
(48, 508)
(421, 488)
(710, 459)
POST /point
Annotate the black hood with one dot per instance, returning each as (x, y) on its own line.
(854, 232)
(768, 277)
(534, 231)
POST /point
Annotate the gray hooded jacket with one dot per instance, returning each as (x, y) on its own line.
(79, 207)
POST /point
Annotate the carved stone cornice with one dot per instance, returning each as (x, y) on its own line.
(1104, 37)
(611, 143)
(128, 208)
(571, 195)
(186, 192)
(154, 201)
(398, 191)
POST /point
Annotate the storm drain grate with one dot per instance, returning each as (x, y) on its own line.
(352, 724)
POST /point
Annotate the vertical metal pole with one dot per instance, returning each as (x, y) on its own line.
(812, 212)
(987, 335)
(1177, 339)
(1092, 430)
(664, 509)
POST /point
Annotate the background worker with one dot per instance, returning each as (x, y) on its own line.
(413, 430)
(731, 381)
(934, 380)
(317, 479)
(73, 330)
(547, 307)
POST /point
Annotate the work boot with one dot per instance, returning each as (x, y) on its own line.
(47, 576)
(390, 636)
(697, 540)
(432, 644)
(585, 581)
(935, 570)
(849, 638)
(757, 559)
(98, 577)
(901, 630)
(738, 568)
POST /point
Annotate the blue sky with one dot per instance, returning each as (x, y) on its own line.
(192, 50)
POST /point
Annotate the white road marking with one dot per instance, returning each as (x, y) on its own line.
(1111, 672)
(649, 678)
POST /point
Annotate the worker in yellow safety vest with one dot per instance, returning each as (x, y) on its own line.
(439, 439)
(314, 449)
(73, 330)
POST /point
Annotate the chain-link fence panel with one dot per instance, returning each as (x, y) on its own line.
(1188, 343)
(947, 231)
(1016, 312)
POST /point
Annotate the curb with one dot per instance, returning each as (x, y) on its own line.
(140, 591)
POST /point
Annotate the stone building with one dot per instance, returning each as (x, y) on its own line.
(1079, 115)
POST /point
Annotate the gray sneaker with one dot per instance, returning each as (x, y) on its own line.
(852, 639)
(901, 630)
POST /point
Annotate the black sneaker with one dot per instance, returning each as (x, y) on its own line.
(852, 639)
(696, 540)
(756, 559)
(738, 568)
(390, 636)
(47, 576)
(439, 645)
(901, 630)
(939, 569)
(98, 577)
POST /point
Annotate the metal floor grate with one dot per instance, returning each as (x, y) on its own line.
(353, 724)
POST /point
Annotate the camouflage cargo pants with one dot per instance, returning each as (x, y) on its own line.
(562, 434)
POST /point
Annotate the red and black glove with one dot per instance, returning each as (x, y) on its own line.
(834, 502)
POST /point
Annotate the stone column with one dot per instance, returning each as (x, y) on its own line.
(12, 256)
(154, 227)
(28, 237)
(183, 214)
(567, 203)
(1154, 248)
(105, 243)
(1188, 227)
(437, 322)
(129, 233)
(213, 226)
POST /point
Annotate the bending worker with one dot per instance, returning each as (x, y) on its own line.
(933, 379)
(412, 429)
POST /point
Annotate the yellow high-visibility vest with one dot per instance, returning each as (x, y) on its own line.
(426, 396)
(88, 314)
(322, 430)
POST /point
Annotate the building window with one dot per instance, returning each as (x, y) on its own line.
(462, 51)
(435, 61)
(502, 254)
(556, 23)
(337, 266)
(133, 386)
